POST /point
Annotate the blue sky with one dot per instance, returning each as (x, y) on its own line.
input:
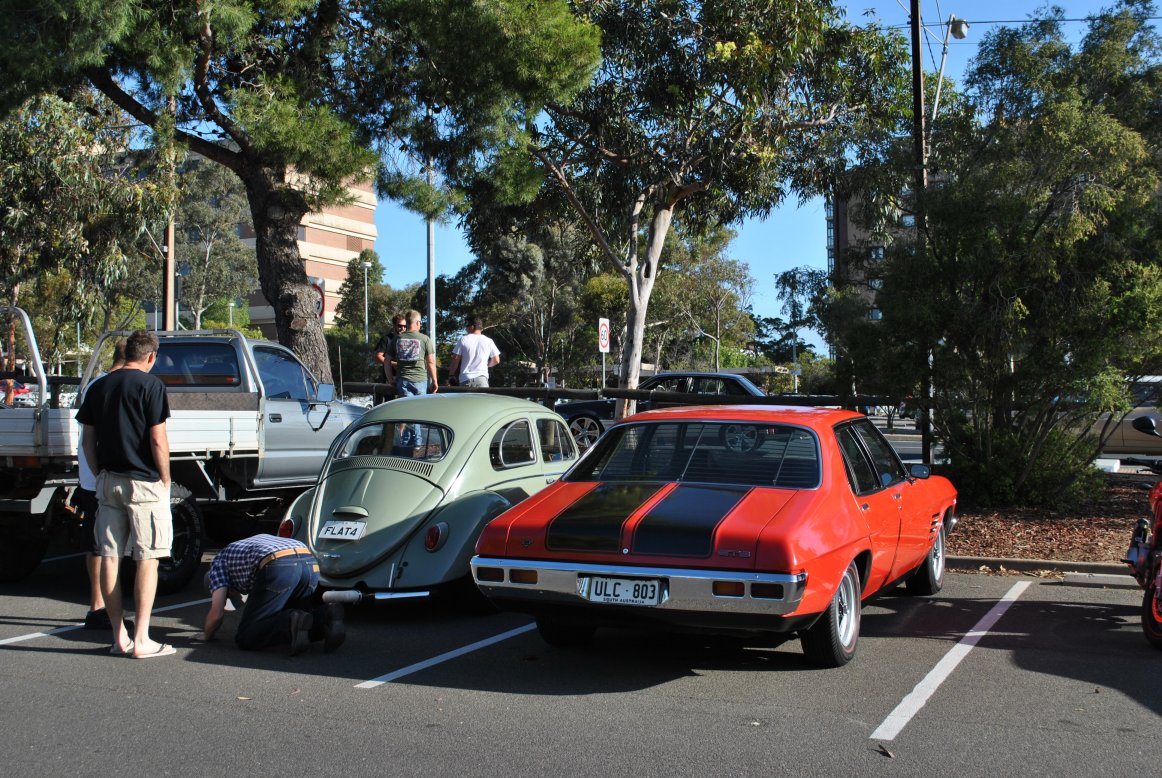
(793, 235)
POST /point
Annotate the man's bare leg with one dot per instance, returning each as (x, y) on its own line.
(111, 590)
(144, 592)
(93, 566)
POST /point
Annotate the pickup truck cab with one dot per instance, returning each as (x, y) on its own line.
(249, 430)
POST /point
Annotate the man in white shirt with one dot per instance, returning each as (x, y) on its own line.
(472, 357)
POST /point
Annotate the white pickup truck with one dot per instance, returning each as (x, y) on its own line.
(249, 430)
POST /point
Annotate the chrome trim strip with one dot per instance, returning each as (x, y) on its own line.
(682, 589)
(398, 595)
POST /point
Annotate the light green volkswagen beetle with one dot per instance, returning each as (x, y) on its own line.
(408, 487)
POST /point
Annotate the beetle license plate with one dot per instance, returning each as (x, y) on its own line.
(342, 530)
(624, 591)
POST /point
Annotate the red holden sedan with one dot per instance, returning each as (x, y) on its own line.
(737, 519)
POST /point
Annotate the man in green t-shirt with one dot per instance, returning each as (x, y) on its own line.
(414, 371)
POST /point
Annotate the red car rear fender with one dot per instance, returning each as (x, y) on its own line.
(824, 574)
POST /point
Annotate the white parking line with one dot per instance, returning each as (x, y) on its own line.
(424, 665)
(59, 558)
(911, 705)
(71, 627)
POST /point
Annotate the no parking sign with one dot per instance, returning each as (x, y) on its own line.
(603, 335)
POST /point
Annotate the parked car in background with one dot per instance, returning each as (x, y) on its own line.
(1126, 438)
(406, 490)
(675, 520)
(588, 419)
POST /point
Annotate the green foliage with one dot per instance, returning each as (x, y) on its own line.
(1034, 292)
(299, 97)
(709, 112)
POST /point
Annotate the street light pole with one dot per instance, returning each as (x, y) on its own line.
(366, 265)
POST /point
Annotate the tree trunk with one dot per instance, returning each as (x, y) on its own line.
(641, 286)
(277, 211)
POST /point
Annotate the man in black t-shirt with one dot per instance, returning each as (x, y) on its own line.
(126, 443)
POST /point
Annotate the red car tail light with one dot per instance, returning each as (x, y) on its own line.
(766, 591)
(436, 536)
(286, 528)
(523, 576)
(729, 589)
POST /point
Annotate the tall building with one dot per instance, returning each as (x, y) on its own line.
(328, 241)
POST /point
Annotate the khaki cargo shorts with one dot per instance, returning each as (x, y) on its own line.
(134, 519)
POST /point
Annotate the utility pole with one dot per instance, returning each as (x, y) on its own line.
(920, 185)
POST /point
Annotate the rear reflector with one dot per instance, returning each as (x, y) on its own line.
(490, 574)
(523, 576)
(286, 528)
(432, 538)
(766, 591)
(729, 589)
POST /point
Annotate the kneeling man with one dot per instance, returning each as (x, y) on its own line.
(278, 575)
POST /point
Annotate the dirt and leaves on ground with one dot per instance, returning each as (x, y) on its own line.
(1096, 532)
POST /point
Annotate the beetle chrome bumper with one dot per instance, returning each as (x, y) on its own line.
(557, 583)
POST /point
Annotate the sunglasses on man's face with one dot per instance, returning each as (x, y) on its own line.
(401, 326)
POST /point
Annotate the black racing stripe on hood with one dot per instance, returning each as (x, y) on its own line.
(594, 522)
(683, 524)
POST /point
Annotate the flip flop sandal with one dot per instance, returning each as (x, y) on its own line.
(163, 650)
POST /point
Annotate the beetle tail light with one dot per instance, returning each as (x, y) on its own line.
(436, 536)
(286, 528)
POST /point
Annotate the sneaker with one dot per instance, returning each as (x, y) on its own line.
(334, 632)
(300, 625)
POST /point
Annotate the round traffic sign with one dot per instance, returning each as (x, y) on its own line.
(603, 335)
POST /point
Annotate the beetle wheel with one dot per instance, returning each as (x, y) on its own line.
(831, 641)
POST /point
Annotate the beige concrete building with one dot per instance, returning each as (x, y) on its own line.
(328, 241)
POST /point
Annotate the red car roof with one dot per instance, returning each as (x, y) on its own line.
(805, 415)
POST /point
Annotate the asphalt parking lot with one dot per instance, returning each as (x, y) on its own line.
(994, 675)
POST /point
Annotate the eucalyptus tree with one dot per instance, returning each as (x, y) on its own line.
(715, 111)
(1036, 289)
(299, 97)
(216, 264)
(74, 200)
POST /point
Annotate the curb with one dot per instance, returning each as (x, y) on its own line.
(1032, 565)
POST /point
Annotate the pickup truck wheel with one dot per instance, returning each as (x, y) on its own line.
(556, 633)
(20, 554)
(929, 578)
(175, 571)
(831, 641)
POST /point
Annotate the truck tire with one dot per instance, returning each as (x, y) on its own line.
(20, 554)
(174, 572)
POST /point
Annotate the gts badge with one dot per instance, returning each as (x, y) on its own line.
(733, 553)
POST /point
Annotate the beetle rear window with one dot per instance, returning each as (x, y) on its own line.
(771, 455)
(408, 439)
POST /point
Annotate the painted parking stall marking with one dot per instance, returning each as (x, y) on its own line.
(911, 705)
(436, 660)
(71, 627)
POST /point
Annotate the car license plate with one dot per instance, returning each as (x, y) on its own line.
(624, 591)
(342, 530)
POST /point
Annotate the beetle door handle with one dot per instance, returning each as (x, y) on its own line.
(276, 417)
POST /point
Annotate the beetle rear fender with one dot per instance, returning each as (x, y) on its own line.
(824, 573)
(299, 513)
(462, 520)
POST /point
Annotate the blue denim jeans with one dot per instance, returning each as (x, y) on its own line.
(404, 387)
(283, 585)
